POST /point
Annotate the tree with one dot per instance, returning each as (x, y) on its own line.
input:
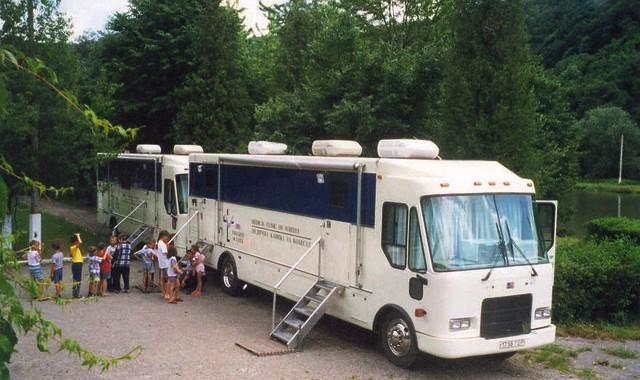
(148, 53)
(215, 109)
(489, 106)
(15, 318)
(600, 131)
(345, 70)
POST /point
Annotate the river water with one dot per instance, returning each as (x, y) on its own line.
(587, 205)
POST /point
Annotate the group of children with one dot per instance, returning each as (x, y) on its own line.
(108, 264)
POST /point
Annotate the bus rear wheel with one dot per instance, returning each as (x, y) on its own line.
(229, 276)
(398, 340)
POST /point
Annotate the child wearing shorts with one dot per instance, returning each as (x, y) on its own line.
(57, 263)
(147, 255)
(198, 262)
(172, 273)
(94, 270)
(33, 260)
(105, 269)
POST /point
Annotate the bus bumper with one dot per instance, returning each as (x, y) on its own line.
(459, 348)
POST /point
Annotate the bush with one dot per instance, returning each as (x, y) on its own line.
(597, 281)
(613, 228)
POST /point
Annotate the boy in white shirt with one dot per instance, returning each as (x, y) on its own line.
(163, 261)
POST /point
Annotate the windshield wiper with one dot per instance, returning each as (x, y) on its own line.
(513, 244)
(502, 249)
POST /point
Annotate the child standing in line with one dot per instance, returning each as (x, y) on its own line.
(163, 262)
(76, 263)
(33, 259)
(147, 255)
(105, 269)
(198, 262)
(57, 264)
(172, 272)
(94, 271)
(111, 249)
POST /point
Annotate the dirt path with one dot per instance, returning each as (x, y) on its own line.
(78, 215)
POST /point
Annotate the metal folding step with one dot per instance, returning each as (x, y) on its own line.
(139, 234)
(305, 314)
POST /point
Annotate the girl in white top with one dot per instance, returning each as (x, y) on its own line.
(172, 273)
(163, 261)
(33, 260)
(198, 263)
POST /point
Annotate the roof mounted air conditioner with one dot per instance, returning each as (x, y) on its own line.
(407, 148)
(266, 147)
(336, 148)
(148, 149)
(185, 150)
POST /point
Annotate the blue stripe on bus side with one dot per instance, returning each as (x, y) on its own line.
(287, 190)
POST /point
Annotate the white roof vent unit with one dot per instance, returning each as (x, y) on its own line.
(148, 149)
(407, 148)
(336, 148)
(266, 147)
(185, 150)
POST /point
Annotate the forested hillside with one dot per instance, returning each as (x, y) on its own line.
(545, 87)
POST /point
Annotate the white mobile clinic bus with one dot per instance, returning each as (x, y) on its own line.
(452, 258)
(144, 192)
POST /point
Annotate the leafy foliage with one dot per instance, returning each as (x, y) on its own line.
(597, 281)
(215, 107)
(600, 132)
(594, 47)
(489, 102)
(614, 228)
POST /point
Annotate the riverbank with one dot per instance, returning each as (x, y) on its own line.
(611, 185)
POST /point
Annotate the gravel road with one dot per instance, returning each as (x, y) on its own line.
(197, 339)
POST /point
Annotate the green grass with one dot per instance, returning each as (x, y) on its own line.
(560, 358)
(53, 228)
(617, 365)
(610, 185)
(621, 352)
(600, 331)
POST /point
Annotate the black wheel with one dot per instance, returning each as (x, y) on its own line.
(398, 340)
(229, 276)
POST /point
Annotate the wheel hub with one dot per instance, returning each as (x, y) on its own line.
(227, 275)
(399, 337)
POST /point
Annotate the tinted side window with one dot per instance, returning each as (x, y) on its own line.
(338, 194)
(416, 252)
(170, 197)
(394, 233)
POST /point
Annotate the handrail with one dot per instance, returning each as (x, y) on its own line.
(128, 215)
(183, 226)
(318, 241)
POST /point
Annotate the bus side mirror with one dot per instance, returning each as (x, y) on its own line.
(547, 215)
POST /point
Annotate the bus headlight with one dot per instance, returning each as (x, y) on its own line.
(542, 313)
(459, 323)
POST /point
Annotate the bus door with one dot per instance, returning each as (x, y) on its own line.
(404, 247)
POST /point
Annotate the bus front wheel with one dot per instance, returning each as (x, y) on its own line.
(398, 340)
(229, 276)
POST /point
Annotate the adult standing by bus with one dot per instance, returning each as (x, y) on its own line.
(120, 265)
(76, 263)
(163, 261)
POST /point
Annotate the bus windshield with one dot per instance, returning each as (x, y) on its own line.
(481, 231)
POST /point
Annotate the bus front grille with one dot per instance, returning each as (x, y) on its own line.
(506, 316)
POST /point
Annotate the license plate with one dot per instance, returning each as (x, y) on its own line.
(509, 344)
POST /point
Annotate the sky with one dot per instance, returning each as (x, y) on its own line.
(92, 15)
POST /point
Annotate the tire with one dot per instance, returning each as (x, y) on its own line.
(229, 276)
(398, 340)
